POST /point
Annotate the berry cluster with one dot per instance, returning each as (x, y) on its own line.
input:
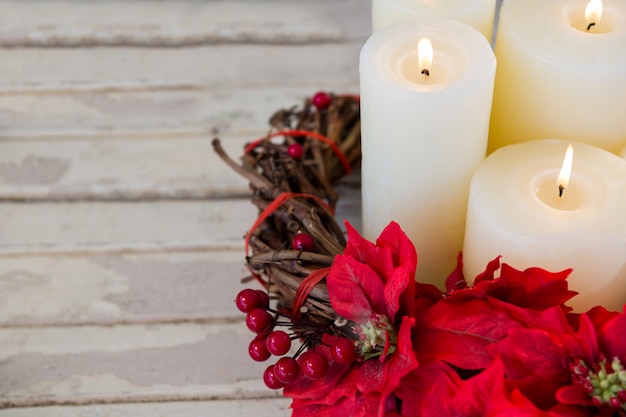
(307, 361)
(263, 320)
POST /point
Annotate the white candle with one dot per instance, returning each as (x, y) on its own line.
(515, 211)
(478, 14)
(558, 79)
(423, 136)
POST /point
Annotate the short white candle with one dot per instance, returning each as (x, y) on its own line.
(478, 14)
(423, 136)
(515, 211)
(556, 78)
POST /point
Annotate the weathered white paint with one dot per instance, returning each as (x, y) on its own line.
(114, 227)
(126, 167)
(145, 22)
(163, 287)
(136, 362)
(62, 70)
(260, 407)
(212, 111)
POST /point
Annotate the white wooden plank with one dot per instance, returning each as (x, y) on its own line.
(84, 365)
(223, 111)
(70, 23)
(49, 70)
(54, 228)
(124, 167)
(121, 288)
(265, 407)
(117, 226)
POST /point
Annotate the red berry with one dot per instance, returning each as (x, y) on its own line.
(286, 370)
(343, 351)
(259, 320)
(257, 349)
(303, 241)
(295, 150)
(264, 299)
(321, 100)
(278, 343)
(247, 300)
(269, 377)
(314, 365)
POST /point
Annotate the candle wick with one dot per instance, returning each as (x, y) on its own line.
(561, 188)
(590, 25)
(426, 72)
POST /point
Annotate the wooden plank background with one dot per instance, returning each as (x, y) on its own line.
(120, 231)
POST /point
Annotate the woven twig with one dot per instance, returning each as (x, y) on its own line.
(274, 175)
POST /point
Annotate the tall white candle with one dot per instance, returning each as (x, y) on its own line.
(558, 79)
(423, 136)
(515, 211)
(478, 14)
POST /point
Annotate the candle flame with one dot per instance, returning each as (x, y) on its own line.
(425, 55)
(566, 170)
(593, 12)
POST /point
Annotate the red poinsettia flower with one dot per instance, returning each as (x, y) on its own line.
(459, 327)
(371, 285)
(508, 345)
(374, 278)
(597, 365)
(435, 389)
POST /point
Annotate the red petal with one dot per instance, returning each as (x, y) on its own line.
(489, 273)
(403, 360)
(456, 280)
(533, 288)
(471, 398)
(587, 346)
(460, 333)
(380, 259)
(430, 380)
(535, 362)
(400, 281)
(613, 338)
(572, 394)
(372, 377)
(552, 319)
(354, 289)
(486, 394)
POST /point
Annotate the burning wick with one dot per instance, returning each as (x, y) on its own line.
(425, 56)
(593, 13)
(566, 170)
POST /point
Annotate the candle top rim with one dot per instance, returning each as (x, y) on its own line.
(479, 58)
(603, 171)
(544, 29)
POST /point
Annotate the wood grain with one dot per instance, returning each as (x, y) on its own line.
(260, 407)
(212, 111)
(166, 287)
(109, 227)
(133, 363)
(147, 23)
(172, 166)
